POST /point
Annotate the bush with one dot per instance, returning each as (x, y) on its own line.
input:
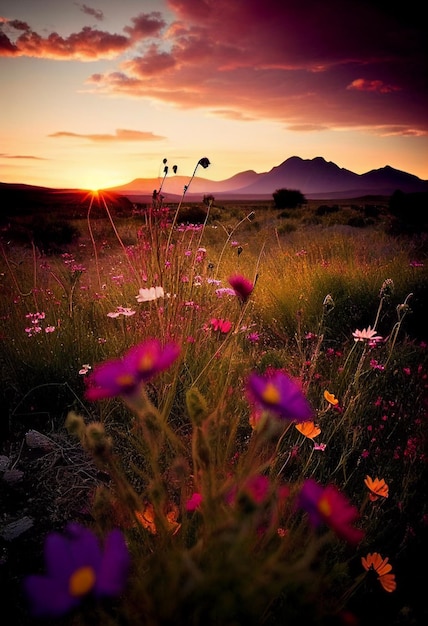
(288, 198)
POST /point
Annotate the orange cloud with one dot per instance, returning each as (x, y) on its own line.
(361, 84)
(121, 134)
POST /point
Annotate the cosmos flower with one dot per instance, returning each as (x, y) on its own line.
(241, 286)
(278, 394)
(224, 291)
(146, 518)
(221, 324)
(121, 377)
(149, 294)
(308, 429)
(150, 357)
(327, 505)
(320, 446)
(367, 334)
(377, 488)
(121, 310)
(194, 502)
(77, 566)
(331, 398)
(374, 562)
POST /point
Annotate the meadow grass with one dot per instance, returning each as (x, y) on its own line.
(202, 477)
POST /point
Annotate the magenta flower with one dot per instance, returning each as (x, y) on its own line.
(122, 377)
(241, 286)
(220, 324)
(327, 505)
(151, 358)
(110, 379)
(278, 394)
(194, 502)
(76, 567)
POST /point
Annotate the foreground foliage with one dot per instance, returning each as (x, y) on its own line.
(242, 415)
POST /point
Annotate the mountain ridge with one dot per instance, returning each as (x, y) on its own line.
(316, 178)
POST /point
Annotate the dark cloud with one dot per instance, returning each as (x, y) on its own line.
(97, 14)
(22, 156)
(306, 64)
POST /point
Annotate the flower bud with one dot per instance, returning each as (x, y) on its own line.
(196, 406)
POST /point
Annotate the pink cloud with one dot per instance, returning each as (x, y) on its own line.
(88, 44)
(292, 62)
(146, 25)
(121, 134)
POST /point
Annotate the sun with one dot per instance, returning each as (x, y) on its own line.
(94, 180)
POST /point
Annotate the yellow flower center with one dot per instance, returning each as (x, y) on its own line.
(82, 581)
(126, 380)
(271, 394)
(146, 362)
(324, 507)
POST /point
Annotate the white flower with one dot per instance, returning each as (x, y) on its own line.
(148, 294)
(367, 334)
(121, 310)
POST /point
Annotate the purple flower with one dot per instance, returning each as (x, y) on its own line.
(77, 566)
(278, 394)
(122, 377)
(327, 505)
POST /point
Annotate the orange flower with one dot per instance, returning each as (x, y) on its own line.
(374, 562)
(309, 429)
(147, 519)
(378, 488)
(331, 398)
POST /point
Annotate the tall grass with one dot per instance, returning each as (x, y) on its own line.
(247, 553)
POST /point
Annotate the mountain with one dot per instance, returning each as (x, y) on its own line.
(175, 184)
(314, 178)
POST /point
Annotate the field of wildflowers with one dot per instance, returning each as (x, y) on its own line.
(214, 423)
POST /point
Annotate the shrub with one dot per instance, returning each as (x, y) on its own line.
(288, 198)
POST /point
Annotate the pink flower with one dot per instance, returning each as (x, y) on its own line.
(194, 502)
(241, 286)
(367, 334)
(221, 324)
(327, 505)
(122, 377)
(256, 488)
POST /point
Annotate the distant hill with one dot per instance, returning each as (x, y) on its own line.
(315, 178)
(19, 199)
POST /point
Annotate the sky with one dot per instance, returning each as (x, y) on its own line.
(97, 94)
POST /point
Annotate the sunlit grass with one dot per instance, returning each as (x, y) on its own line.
(194, 428)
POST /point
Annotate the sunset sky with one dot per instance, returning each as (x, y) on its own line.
(97, 94)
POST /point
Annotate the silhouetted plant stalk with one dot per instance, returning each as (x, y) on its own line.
(248, 217)
(203, 162)
(91, 235)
